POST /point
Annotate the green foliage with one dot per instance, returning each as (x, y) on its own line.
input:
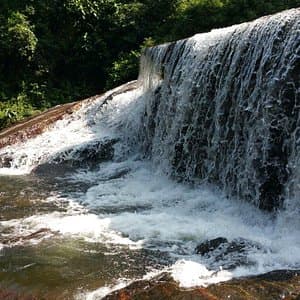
(193, 16)
(126, 67)
(21, 40)
(123, 69)
(15, 110)
(57, 51)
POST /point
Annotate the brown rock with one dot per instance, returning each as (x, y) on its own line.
(283, 284)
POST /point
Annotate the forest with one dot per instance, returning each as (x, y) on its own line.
(59, 51)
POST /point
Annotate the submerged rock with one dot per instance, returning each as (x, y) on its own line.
(39, 234)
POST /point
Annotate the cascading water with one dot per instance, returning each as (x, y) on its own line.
(218, 109)
(225, 109)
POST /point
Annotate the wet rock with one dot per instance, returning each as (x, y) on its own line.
(95, 152)
(283, 284)
(280, 284)
(210, 245)
(217, 125)
(228, 255)
(161, 287)
(35, 125)
(85, 156)
(5, 161)
(279, 275)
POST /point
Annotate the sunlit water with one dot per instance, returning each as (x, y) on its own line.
(79, 225)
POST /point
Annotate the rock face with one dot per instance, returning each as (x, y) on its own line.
(223, 107)
(270, 286)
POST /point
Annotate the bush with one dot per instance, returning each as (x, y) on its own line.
(15, 110)
(123, 69)
(22, 41)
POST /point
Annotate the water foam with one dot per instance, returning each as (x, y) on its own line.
(190, 274)
(75, 222)
(148, 204)
(144, 208)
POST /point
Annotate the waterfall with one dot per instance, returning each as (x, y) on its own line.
(220, 108)
(223, 107)
(128, 179)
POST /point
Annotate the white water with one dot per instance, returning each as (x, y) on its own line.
(146, 209)
(132, 201)
(87, 125)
